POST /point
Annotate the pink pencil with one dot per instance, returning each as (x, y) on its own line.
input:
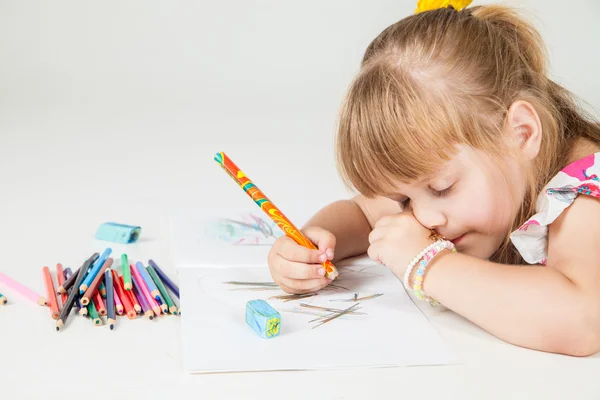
(145, 292)
(26, 292)
(117, 302)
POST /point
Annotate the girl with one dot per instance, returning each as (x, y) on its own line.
(478, 178)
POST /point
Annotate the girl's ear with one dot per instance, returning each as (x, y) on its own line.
(524, 128)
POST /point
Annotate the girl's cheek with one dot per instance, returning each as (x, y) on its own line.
(474, 214)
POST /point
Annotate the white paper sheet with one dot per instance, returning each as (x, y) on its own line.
(391, 332)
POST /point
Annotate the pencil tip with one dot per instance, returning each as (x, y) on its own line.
(112, 327)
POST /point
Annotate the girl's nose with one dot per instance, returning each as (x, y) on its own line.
(429, 217)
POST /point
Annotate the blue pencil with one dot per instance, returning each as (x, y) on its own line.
(154, 292)
(95, 269)
(172, 287)
(83, 311)
(110, 300)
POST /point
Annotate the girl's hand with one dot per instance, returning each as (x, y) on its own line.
(297, 269)
(396, 240)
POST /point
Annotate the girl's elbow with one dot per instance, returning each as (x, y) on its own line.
(577, 340)
(584, 347)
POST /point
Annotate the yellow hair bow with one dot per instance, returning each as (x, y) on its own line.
(426, 5)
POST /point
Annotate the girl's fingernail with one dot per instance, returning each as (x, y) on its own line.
(329, 253)
(323, 258)
(321, 271)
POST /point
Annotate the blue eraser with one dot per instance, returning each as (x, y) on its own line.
(263, 318)
(118, 233)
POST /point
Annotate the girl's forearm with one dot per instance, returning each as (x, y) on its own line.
(530, 306)
(348, 224)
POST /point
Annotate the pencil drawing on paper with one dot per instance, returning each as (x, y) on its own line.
(355, 295)
(355, 298)
(323, 314)
(247, 229)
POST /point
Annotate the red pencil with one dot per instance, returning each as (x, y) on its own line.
(131, 314)
(99, 304)
(52, 300)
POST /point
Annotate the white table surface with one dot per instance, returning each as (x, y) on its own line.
(113, 113)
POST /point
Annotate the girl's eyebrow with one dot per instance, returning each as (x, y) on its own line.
(448, 172)
(444, 173)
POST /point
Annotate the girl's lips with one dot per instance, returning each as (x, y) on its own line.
(458, 239)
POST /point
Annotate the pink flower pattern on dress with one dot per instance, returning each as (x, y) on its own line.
(526, 224)
(579, 177)
(578, 168)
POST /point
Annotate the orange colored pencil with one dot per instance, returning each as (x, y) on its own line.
(129, 310)
(99, 304)
(131, 314)
(270, 209)
(61, 280)
(52, 300)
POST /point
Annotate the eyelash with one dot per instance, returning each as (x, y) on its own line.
(436, 193)
(441, 193)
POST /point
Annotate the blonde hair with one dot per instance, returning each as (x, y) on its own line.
(445, 77)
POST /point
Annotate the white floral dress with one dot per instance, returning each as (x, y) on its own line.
(579, 177)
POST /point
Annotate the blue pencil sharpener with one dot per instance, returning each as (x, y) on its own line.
(118, 233)
(263, 318)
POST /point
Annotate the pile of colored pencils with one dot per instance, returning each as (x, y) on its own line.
(97, 290)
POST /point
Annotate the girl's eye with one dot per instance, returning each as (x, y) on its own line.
(441, 193)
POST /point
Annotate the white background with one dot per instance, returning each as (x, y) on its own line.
(113, 111)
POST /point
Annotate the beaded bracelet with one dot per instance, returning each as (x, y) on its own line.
(414, 262)
(424, 259)
(427, 258)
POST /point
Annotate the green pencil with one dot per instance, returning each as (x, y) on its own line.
(94, 314)
(126, 272)
(162, 289)
(3, 299)
(102, 290)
